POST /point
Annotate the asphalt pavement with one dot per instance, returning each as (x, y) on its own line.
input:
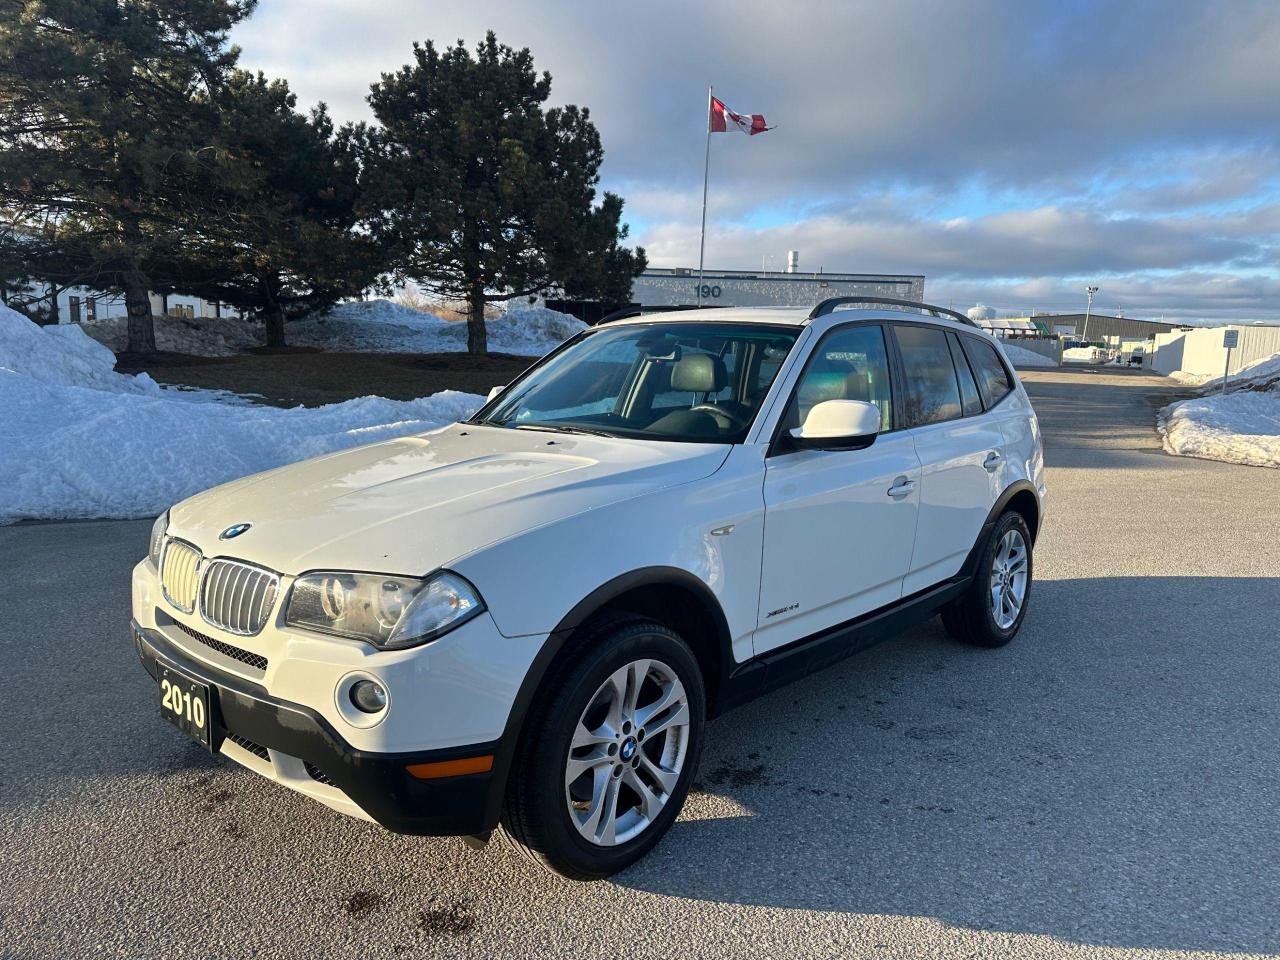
(1105, 786)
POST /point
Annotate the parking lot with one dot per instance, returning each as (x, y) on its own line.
(1105, 786)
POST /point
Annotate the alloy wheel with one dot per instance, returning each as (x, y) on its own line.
(627, 752)
(1009, 579)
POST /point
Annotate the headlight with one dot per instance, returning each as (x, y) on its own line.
(157, 537)
(389, 612)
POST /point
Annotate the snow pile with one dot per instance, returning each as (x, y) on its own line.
(79, 440)
(381, 326)
(62, 356)
(1191, 379)
(1022, 357)
(1240, 426)
(1084, 355)
(206, 337)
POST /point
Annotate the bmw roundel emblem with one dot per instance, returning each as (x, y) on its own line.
(234, 531)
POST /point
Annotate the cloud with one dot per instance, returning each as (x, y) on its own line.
(995, 140)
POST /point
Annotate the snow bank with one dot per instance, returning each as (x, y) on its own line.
(78, 440)
(1238, 427)
(381, 326)
(62, 356)
(369, 326)
(1022, 357)
(206, 337)
(1084, 355)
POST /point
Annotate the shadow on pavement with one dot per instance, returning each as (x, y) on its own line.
(1106, 779)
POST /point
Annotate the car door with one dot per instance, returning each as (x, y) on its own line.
(960, 446)
(839, 524)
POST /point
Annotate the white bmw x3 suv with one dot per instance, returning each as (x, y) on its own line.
(526, 619)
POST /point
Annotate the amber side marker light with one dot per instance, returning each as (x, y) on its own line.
(451, 768)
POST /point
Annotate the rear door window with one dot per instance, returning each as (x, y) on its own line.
(993, 379)
(932, 393)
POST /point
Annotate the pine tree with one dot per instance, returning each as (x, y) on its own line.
(100, 124)
(485, 194)
(283, 242)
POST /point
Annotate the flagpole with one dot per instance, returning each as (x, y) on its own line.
(706, 167)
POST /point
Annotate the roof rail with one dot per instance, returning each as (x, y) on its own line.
(829, 306)
(626, 312)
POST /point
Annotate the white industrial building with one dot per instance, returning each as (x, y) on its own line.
(79, 304)
(678, 286)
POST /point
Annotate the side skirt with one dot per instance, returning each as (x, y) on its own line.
(777, 668)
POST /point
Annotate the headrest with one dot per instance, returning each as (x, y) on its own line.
(699, 373)
(857, 386)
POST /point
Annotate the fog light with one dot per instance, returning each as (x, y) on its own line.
(368, 696)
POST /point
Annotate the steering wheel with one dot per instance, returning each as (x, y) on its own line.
(735, 421)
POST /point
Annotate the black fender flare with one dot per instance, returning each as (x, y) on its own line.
(1001, 505)
(582, 611)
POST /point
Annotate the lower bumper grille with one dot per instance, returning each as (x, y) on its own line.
(254, 660)
(244, 742)
(316, 774)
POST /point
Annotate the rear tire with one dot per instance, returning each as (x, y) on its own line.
(593, 789)
(990, 611)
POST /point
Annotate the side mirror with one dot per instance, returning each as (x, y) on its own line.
(838, 425)
(494, 391)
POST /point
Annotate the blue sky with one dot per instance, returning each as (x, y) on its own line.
(1010, 151)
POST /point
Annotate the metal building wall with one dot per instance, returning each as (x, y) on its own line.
(769, 290)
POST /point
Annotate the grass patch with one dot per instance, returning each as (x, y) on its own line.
(301, 375)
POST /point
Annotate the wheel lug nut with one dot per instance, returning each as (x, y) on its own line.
(640, 734)
(626, 727)
(613, 748)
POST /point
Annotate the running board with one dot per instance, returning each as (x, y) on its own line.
(779, 667)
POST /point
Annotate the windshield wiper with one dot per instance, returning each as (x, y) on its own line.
(560, 428)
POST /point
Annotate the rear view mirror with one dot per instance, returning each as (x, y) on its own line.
(838, 425)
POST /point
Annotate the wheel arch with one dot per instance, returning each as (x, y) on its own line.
(1020, 497)
(669, 595)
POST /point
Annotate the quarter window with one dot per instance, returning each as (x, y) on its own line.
(850, 364)
(932, 394)
(969, 399)
(993, 378)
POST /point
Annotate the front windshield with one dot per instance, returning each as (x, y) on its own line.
(693, 382)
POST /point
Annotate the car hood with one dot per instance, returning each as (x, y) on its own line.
(410, 505)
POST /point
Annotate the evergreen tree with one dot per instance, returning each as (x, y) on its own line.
(482, 192)
(283, 242)
(100, 123)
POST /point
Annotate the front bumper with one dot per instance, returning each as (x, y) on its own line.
(376, 783)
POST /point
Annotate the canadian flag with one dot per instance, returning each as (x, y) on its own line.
(723, 120)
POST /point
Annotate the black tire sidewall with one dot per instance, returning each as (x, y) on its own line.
(982, 595)
(560, 843)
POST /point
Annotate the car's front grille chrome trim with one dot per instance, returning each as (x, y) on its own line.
(180, 574)
(238, 597)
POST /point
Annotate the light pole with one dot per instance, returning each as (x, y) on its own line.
(1088, 309)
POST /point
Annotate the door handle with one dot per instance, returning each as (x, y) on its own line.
(993, 460)
(901, 487)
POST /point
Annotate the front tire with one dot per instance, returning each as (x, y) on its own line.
(607, 758)
(990, 611)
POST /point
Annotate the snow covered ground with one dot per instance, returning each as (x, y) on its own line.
(1240, 426)
(206, 337)
(368, 326)
(1022, 357)
(78, 440)
(383, 326)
